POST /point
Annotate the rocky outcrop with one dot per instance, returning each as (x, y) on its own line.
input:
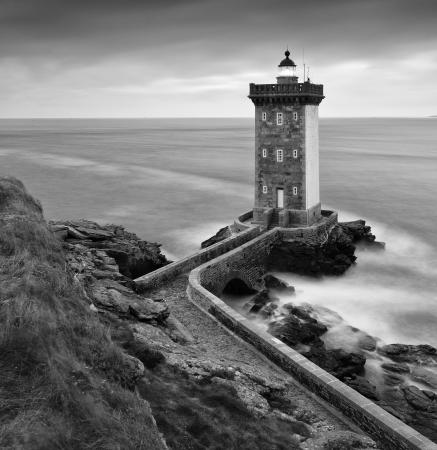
(333, 257)
(134, 257)
(301, 331)
(221, 235)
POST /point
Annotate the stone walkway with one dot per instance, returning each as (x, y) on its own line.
(214, 344)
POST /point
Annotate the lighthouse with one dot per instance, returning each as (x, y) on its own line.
(287, 190)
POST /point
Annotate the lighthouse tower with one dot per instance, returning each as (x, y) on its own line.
(286, 149)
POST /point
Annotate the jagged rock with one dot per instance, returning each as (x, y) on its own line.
(133, 256)
(426, 376)
(268, 310)
(338, 362)
(127, 304)
(393, 379)
(333, 257)
(221, 234)
(258, 301)
(293, 331)
(416, 398)
(418, 354)
(396, 367)
(271, 282)
(363, 386)
(361, 234)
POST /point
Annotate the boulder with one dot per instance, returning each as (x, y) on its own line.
(418, 354)
(338, 362)
(258, 301)
(416, 398)
(125, 304)
(271, 282)
(294, 331)
(268, 310)
(363, 386)
(396, 367)
(425, 375)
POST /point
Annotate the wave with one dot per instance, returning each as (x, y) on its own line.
(390, 295)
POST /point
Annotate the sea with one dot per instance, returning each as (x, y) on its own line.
(177, 181)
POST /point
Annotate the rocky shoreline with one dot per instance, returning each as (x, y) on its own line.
(400, 378)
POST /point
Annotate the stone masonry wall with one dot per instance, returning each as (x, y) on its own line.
(287, 174)
(246, 262)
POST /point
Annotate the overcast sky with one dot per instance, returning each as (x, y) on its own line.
(142, 58)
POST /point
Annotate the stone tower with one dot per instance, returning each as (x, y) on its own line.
(286, 149)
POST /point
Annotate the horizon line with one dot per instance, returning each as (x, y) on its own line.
(202, 117)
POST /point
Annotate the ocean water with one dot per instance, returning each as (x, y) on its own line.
(176, 181)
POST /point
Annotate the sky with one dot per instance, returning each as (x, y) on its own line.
(196, 58)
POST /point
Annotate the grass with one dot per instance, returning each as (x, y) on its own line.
(63, 383)
(195, 416)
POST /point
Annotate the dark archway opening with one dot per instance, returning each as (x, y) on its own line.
(238, 287)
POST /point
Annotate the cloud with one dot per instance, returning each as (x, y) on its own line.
(92, 57)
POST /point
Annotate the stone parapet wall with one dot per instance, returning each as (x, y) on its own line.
(246, 262)
(241, 222)
(315, 234)
(160, 276)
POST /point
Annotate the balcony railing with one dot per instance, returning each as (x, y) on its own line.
(291, 88)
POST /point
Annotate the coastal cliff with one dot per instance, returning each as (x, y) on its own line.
(88, 362)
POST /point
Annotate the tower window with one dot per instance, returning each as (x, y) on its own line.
(294, 153)
(279, 155)
(279, 118)
(264, 116)
(265, 189)
(295, 116)
(264, 153)
(294, 190)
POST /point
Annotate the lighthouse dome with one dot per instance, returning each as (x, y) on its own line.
(287, 62)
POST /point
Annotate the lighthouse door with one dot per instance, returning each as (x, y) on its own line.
(279, 198)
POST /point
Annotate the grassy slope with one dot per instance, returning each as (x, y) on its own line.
(62, 383)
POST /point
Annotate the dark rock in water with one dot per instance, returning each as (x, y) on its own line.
(367, 342)
(358, 231)
(257, 301)
(221, 235)
(425, 375)
(333, 257)
(396, 367)
(363, 386)
(393, 379)
(272, 282)
(292, 331)
(338, 362)
(416, 398)
(418, 354)
(268, 310)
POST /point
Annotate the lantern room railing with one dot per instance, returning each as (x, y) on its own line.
(291, 88)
